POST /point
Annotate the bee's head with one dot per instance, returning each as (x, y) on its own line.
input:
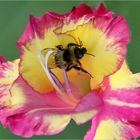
(79, 52)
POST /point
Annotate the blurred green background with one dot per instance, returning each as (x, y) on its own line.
(14, 16)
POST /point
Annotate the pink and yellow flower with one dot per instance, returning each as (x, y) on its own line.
(38, 99)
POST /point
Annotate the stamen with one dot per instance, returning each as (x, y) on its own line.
(54, 80)
(57, 81)
(67, 84)
(47, 70)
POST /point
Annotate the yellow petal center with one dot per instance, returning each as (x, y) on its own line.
(33, 72)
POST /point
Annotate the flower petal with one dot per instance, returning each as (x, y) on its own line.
(78, 12)
(88, 107)
(33, 98)
(8, 73)
(124, 78)
(101, 11)
(108, 129)
(120, 115)
(83, 117)
(91, 101)
(125, 105)
(43, 116)
(38, 26)
(38, 122)
(124, 90)
(115, 122)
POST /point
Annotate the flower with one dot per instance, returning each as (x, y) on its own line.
(119, 117)
(38, 98)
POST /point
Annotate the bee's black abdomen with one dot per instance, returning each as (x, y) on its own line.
(67, 56)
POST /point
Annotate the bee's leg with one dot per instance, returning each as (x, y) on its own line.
(79, 63)
(60, 47)
(69, 67)
(79, 68)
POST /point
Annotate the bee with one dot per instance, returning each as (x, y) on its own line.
(69, 57)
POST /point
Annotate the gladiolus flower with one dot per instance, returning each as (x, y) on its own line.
(38, 97)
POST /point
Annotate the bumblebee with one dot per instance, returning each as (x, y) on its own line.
(69, 57)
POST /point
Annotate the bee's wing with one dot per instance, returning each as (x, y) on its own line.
(51, 61)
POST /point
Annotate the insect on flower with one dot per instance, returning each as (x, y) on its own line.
(63, 73)
(68, 57)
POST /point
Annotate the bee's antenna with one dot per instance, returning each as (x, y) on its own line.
(90, 54)
(81, 44)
